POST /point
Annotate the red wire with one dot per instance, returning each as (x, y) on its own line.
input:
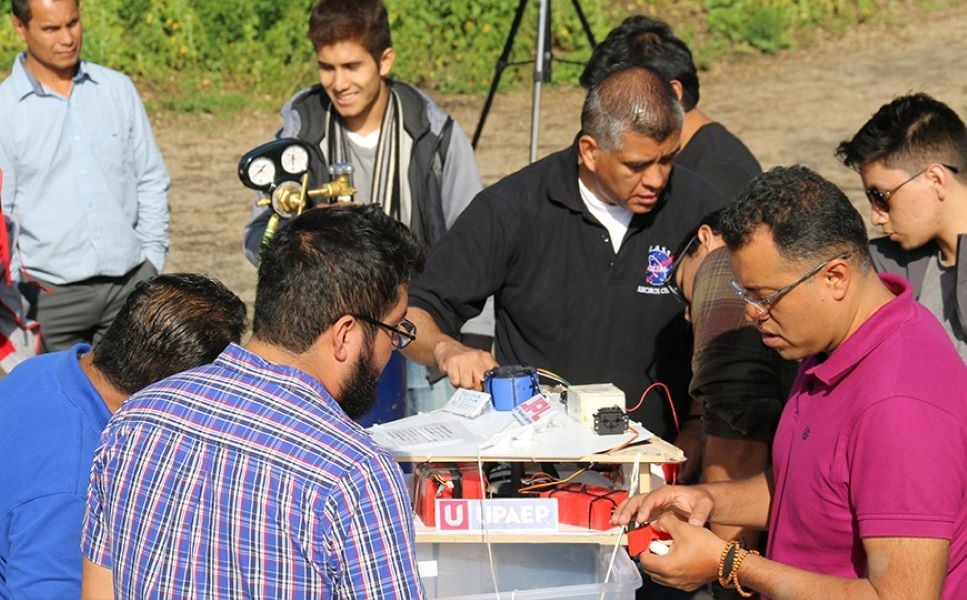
(668, 395)
(670, 469)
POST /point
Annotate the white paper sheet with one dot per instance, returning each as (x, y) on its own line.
(564, 438)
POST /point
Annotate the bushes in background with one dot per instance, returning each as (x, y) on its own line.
(210, 54)
(458, 43)
(196, 54)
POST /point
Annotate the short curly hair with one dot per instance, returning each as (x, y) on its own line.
(809, 217)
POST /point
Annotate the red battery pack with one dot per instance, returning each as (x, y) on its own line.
(586, 505)
(639, 539)
(444, 480)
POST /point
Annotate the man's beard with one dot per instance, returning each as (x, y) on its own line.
(358, 394)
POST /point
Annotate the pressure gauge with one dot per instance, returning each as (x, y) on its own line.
(295, 160)
(261, 171)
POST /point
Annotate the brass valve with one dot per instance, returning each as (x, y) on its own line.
(288, 199)
(340, 187)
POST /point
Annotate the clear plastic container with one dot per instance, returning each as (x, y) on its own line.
(461, 571)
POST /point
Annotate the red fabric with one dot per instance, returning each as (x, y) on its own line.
(428, 488)
(4, 245)
(6, 347)
(586, 505)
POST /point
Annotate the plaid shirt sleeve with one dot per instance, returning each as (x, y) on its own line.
(95, 542)
(741, 382)
(370, 549)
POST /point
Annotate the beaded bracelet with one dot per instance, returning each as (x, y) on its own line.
(726, 562)
(732, 556)
(735, 574)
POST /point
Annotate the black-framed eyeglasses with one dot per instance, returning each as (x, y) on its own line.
(400, 336)
(763, 306)
(879, 200)
(670, 284)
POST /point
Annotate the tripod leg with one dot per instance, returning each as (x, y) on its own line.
(501, 65)
(584, 23)
(543, 70)
(541, 63)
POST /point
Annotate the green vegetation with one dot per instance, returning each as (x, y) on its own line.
(458, 43)
(223, 55)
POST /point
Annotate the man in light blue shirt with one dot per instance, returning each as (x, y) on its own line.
(84, 185)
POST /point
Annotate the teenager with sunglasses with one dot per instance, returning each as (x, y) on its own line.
(912, 156)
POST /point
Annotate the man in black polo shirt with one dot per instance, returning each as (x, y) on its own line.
(575, 250)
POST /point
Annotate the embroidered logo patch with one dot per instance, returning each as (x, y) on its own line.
(659, 265)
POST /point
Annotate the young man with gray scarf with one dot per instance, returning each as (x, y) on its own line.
(407, 154)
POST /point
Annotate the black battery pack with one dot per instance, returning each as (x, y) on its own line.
(609, 421)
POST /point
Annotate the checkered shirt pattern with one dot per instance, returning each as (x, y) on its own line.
(245, 479)
(741, 382)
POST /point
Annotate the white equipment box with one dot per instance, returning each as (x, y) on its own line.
(585, 400)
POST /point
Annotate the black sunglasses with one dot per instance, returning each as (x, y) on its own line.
(879, 199)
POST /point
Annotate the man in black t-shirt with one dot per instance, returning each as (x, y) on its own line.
(708, 148)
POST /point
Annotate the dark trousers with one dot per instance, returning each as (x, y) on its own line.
(81, 311)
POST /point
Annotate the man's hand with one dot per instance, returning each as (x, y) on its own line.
(689, 502)
(464, 366)
(692, 560)
(691, 439)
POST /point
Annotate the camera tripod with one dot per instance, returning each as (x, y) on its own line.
(542, 65)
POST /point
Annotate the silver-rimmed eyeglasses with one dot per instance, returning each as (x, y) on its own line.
(763, 306)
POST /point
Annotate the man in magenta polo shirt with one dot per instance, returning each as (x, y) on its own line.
(867, 497)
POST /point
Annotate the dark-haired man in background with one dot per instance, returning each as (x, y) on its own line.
(407, 154)
(867, 497)
(248, 477)
(53, 408)
(707, 147)
(912, 157)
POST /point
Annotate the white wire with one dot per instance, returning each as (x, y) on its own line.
(632, 489)
(483, 521)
